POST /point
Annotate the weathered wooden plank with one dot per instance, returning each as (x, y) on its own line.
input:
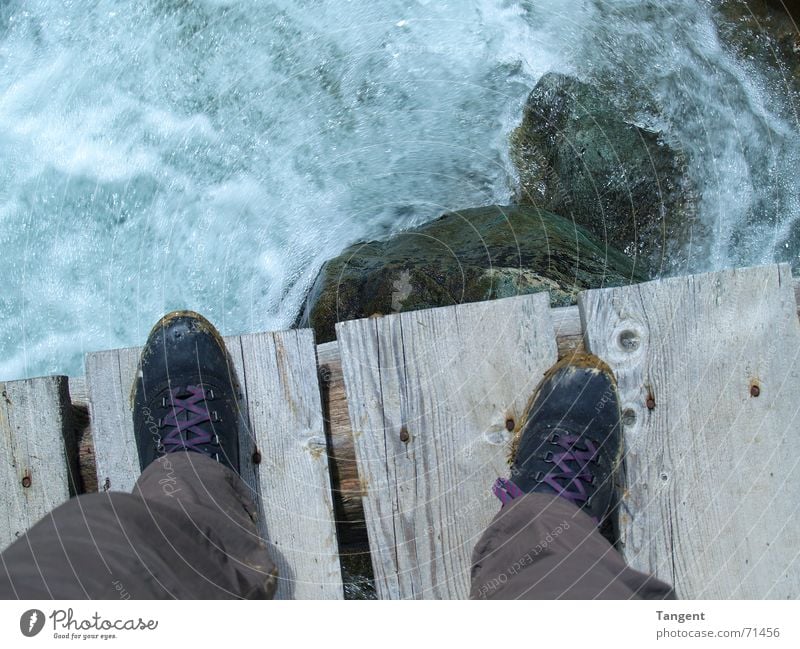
(709, 379)
(77, 391)
(282, 388)
(109, 379)
(569, 336)
(278, 373)
(342, 462)
(35, 456)
(431, 396)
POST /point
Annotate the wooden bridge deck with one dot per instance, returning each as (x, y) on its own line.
(709, 373)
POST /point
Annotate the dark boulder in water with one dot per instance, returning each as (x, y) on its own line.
(466, 256)
(579, 156)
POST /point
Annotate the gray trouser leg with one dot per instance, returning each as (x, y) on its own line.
(187, 531)
(541, 546)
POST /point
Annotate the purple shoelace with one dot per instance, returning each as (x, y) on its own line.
(186, 415)
(506, 490)
(575, 479)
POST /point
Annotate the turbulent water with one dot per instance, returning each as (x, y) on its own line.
(211, 155)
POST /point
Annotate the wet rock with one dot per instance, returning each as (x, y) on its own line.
(579, 156)
(466, 256)
(764, 32)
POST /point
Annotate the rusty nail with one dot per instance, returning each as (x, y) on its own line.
(404, 436)
(651, 402)
(754, 390)
(256, 457)
(26, 481)
(509, 424)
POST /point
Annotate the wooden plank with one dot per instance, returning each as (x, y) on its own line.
(282, 388)
(77, 391)
(109, 378)
(278, 373)
(569, 336)
(711, 473)
(342, 459)
(430, 394)
(347, 484)
(35, 457)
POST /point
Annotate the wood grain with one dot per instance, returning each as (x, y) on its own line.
(342, 461)
(430, 394)
(285, 413)
(278, 374)
(36, 466)
(109, 379)
(711, 476)
(349, 511)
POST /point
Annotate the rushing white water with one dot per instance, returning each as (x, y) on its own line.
(211, 154)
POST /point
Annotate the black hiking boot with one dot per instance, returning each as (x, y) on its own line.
(186, 397)
(571, 442)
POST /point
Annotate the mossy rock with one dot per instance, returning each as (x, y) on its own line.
(578, 156)
(466, 256)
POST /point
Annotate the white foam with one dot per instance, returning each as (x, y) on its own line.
(211, 155)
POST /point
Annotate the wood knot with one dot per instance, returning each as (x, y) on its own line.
(325, 373)
(629, 340)
(510, 424)
(316, 445)
(26, 480)
(404, 436)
